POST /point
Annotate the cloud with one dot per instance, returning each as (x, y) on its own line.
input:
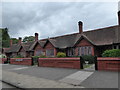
(54, 18)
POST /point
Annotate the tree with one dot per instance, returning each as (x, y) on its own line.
(29, 38)
(14, 40)
(4, 38)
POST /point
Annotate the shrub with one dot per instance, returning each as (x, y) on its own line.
(42, 56)
(18, 56)
(111, 53)
(61, 54)
(88, 58)
(35, 56)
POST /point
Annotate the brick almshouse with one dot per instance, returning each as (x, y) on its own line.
(92, 42)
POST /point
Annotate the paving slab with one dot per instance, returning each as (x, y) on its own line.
(40, 72)
(76, 78)
(26, 81)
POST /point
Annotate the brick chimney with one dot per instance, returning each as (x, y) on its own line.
(118, 17)
(20, 40)
(36, 36)
(80, 24)
(11, 42)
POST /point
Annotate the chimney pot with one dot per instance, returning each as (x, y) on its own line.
(80, 24)
(119, 17)
(36, 36)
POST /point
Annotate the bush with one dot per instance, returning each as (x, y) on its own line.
(35, 56)
(42, 56)
(111, 53)
(61, 54)
(88, 58)
(19, 56)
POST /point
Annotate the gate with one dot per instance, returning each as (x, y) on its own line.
(35, 61)
(85, 64)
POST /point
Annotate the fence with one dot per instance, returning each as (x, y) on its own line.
(21, 61)
(108, 63)
(60, 62)
(3, 60)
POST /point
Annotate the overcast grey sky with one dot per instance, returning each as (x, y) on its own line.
(51, 19)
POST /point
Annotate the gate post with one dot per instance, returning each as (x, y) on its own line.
(81, 62)
(96, 64)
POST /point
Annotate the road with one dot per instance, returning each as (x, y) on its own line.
(4, 85)
(99, 79)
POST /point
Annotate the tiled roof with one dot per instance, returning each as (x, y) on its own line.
(103, 36)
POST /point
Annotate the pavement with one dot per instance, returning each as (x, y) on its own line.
(26, 81)
(44, 77)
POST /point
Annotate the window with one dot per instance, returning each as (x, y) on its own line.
(119, 47)
(39, 53)
(116, 46)
(50, 52)
(23, 54)
(87, 50)
(71, 52)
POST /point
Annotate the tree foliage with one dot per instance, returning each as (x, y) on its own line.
(4, 38)
(111, 53)
(14, 40)
(61, 54)
(28, 38)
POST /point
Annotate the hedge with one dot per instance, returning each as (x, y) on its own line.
(111, 53)
(61, 54)
(88, 58)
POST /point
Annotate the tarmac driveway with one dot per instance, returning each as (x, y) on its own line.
(42, 72)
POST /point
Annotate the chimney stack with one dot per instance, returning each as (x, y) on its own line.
(118, 17)
(11, 42)
(80, 24)
(36, 36)
(20, 40)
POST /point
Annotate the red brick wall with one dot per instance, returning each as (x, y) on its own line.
(60, 62)
(25, 61)
(22, 50)
(3, 60)
(50, 46)
(108, 63)
(84, 42)
(38, 47)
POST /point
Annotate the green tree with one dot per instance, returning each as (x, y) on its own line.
(4, 38)
(29, 38)
(14, 40)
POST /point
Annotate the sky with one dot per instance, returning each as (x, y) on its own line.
(50, 19)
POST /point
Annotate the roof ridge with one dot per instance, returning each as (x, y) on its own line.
(79, 33)
(101, 28)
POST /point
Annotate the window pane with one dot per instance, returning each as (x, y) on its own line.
(50, 52)
(39, 53)
(90, 50)
(82, 50)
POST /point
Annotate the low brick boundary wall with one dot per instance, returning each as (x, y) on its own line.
(59, 62)
(108, 63)
(21, 61)
(3, 60)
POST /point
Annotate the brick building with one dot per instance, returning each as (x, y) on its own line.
(92, 42)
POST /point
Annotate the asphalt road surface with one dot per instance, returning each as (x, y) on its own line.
(4, 85)
(99, 79)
